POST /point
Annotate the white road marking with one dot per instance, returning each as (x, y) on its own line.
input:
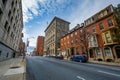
(15, 71)
(41, 61)
(109, 73)
(81, 78)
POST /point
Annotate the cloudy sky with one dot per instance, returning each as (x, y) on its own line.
(37, 13)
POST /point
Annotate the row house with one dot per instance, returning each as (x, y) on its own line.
(96, 37)
(71, 43)
(103, 44)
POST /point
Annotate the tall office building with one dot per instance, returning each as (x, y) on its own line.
(11, 25)
(40, 46)
(55, 30)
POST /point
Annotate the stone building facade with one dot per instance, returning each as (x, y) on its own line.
(11, 25)
(57, 28)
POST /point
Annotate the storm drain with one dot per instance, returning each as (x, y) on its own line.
(14, 67)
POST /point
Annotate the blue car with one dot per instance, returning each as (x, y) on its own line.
(79, 58)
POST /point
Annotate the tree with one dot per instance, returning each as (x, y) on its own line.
(117, 19)
(84, 35)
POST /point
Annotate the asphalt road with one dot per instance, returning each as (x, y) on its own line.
(42, 68)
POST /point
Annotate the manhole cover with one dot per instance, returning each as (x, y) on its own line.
(13, 67)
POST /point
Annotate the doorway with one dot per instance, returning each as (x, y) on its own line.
(117, 49)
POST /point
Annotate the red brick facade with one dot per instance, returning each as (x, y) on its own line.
(100, 31)
(71, 43)
(104, 51)
(40, 46)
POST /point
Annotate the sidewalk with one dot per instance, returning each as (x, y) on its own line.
(12, 69)
(105, 63)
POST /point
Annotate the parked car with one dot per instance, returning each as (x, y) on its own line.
(59, 57)
(80, 58)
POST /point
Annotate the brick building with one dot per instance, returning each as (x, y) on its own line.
(40, 46)
(71, 43)
(100, 42)
(103, 45)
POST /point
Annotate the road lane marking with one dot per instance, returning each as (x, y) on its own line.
(81, 78)
(41, 61)
(109, 73)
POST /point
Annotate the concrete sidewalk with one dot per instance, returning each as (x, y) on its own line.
(105, 63)
(12, 69)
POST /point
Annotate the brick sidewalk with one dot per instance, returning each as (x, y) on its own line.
(12, 69)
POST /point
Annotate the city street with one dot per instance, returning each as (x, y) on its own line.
(45, 68)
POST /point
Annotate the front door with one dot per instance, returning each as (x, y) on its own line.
(91, 53)
(117, 49)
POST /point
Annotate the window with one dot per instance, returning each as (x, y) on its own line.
(11, 19)
(72, 41)
(83, 50)
(107, 35)
(98, 51)
(75, 33)
(109, 9)
(9, 14)
(101, 26)
(87, 31)
(71, 35)
(6, 24)
(4, 1)
(110, 23)
(107, 52)
(93, 29)
(8, 29)
(12, 3)
(76, 41)
(68, 43)
(7, 54)
(1, 13)
(81, 31)
(0, 53)
(12, 35)
(14, 10)
(67, 37)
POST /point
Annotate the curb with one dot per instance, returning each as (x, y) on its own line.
(106, 63)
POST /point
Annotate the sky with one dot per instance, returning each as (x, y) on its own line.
(37, 14)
